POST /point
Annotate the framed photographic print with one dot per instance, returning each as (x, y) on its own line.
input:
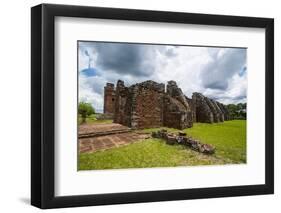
(139, 106)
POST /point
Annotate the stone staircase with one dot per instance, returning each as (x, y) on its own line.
(97, 130)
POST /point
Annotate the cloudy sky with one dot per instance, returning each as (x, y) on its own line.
(218, 73)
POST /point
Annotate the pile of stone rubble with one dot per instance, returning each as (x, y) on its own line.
(182, 139)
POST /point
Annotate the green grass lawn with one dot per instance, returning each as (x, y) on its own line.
(92, 120)
(229, 138)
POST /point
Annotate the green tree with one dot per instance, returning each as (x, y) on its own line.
(85, 109)
(237, 111)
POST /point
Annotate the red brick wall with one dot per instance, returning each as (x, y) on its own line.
(148, 108)
(109, 99)
(123, 106)
(147, 105)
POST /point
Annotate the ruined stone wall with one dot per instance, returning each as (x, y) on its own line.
(123, 105)
(209, 110)
(175, 92)
(140, 105)
(214, 110)
(175, 114)
(147, 105)
(109, 99)
(224, 111)
(178, 113)
(203, 112)
(192, 106)
(218, 110)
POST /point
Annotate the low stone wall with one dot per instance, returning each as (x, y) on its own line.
(182, 139)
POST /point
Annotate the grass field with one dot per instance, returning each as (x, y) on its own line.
(229, 138)
(92, 120)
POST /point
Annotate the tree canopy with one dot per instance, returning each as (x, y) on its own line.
(85, 109)
(237, 111)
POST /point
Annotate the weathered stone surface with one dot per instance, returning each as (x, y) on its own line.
(173, 139)
(220, 114)
(123, 102)
(181, 133)
(109, 99)
(224, 111)
(147, 105)
(140, 105)
(204, 113)
(170, 139)
(213, 109)
(175, 92)
(208, 110)
(177, 113)
(109, 141)
(192, 106)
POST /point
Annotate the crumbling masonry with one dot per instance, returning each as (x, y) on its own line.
(147, 105)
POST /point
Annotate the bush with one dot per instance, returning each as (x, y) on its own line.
(85, 109)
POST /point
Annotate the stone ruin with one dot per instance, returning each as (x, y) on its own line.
(109, 99)
(207, 110)
(148, 105)
(182, 139)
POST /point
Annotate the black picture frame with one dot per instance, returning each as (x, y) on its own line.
(43, 102)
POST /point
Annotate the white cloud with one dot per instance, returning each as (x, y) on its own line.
(91, 91)
(211, 71)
